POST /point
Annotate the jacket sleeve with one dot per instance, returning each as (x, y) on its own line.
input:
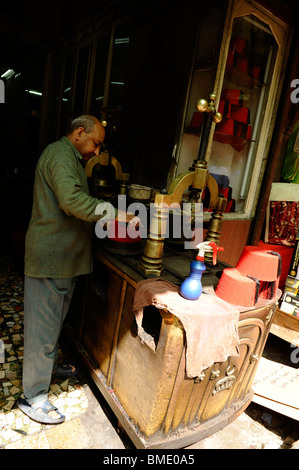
(68, 181)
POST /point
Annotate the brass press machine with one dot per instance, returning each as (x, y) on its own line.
(197, 180)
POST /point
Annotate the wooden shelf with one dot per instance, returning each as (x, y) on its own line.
(235, 141)
(285, 326)
(241, 78)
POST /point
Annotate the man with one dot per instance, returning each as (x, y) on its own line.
(58, 250)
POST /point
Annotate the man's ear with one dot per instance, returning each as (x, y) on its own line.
(79, 133)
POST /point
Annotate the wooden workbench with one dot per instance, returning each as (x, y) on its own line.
(157, 405)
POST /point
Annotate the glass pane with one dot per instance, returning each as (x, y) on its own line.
(99, 77)
(66, 93)
(202, 83)
(81, 81)
(118, 69)
(250, 63)
(52, 132)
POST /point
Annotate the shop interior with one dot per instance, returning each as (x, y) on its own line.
(199, 105)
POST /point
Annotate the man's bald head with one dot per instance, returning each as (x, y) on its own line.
(87, 134)
(86, 121)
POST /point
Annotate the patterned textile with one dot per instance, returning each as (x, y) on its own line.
(284, 222)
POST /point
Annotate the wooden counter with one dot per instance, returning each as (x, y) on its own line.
(158, 406)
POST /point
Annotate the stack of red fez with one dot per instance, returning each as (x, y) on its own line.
(236, 117)
(256, 277)
(240, 58)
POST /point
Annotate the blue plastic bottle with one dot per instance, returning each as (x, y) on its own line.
(191, 288)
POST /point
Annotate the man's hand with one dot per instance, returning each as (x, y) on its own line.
(128, 217)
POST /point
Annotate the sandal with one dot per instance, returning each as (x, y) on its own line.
(40, 413)
(64, 371)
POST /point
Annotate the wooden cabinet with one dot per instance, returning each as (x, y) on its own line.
(148, 390)
(104, 301)
(247, 83)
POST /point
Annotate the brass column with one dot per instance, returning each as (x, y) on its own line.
(198, 178)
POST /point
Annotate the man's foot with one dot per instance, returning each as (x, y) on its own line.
(64, 371)
(46, 413)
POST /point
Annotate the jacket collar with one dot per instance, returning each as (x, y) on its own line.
(76, 152)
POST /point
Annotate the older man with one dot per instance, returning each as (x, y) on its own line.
(58, 250)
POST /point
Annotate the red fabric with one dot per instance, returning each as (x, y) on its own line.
(255, 72)
(238, 143)
(240, 113)
(242, 64)
(226, 126)
(230, 58)
(224, 108)
(233, 96)
(118, 231)
(238, 45)
(197, 119)
(249, 132)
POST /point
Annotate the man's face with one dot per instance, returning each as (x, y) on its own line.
(89, 145)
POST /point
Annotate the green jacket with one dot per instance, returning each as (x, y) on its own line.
(59, 236)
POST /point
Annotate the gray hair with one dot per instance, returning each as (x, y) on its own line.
(85, 121)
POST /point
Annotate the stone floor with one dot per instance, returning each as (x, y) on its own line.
(90, 424)
(85, 417)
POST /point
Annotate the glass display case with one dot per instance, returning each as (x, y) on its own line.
(247, 85)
